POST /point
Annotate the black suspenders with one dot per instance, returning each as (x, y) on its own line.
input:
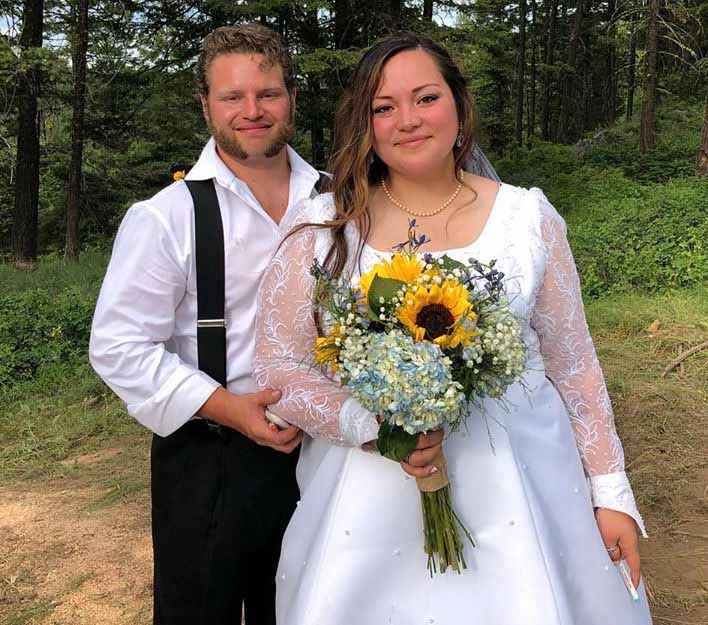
(209, 255)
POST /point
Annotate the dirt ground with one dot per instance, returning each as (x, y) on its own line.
(67, 558)
(71, 555)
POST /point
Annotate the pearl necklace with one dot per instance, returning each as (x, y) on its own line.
(405, 209)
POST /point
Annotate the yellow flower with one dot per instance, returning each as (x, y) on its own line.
(400, 267)
(326, 349)
(434, 313)
(178, 175)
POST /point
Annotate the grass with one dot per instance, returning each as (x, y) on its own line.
(53, 274)
(31, 613)
(64, 412)
(75, 583)
(663, 420)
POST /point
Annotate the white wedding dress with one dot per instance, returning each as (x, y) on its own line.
(524, 476)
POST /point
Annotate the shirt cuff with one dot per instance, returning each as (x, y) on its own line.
(613, 491)
(176, 402)
(357, 424)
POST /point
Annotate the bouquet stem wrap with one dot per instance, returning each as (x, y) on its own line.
(436, 481)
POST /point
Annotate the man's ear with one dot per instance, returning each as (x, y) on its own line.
(205, 106)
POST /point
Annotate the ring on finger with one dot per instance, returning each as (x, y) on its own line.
(611, 550)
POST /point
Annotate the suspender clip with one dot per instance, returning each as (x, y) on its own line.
(211, 323)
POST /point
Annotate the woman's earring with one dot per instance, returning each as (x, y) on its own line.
(460, 139)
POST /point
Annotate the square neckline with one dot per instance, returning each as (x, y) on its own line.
(477, 239)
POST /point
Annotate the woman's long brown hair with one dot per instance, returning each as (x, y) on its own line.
(354, 165)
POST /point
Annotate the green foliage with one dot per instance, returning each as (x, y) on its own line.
(381, 293)
(673, 157)
(648, 238)
(634, 223)
(40, 329)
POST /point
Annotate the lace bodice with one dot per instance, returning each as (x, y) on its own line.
(527, 238)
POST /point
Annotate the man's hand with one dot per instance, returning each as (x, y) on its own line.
(419, 462)
(246, 413)
(621, 538)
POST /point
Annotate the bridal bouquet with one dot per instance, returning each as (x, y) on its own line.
(416, 340)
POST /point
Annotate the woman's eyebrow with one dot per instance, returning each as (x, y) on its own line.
(416, 90)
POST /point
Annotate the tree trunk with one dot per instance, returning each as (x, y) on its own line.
(312, 38)
(647, 128)
(632, 67)
(611, 112)
(343, 30)
(551, 12)
(586, 121)
(74, 195)
(395, 8)
(520, 73)
(428, 10)
(24, 224)
(568, 104)
(702, 160)
(531, 130)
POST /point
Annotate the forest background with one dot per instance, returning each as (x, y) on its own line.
(603, 104)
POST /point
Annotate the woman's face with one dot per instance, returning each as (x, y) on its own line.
(414, 115)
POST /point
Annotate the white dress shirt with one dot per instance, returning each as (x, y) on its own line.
(144, 333)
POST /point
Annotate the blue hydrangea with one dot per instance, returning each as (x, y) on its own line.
(407, 383)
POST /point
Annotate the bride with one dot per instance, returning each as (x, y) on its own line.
(538, 479)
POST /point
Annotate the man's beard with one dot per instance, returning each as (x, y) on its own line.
(227, 141)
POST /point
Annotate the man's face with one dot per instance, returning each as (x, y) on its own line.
(249, 111)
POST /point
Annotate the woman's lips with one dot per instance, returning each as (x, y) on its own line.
(412, 142)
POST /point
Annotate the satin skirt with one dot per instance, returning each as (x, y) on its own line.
(353, 551)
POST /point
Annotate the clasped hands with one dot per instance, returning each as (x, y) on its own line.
(246, 414)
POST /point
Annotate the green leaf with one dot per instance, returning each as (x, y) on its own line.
(449, 264)
(386, 288)
(394, 442)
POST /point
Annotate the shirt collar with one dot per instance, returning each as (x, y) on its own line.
(210, 166)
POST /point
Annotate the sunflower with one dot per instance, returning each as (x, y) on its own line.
(400, 267)
(434, 313)
(326, 348)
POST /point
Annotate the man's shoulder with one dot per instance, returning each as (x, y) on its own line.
(169, 210)
(169, 205)
(173, 198)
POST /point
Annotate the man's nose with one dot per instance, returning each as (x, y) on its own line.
(252, 107)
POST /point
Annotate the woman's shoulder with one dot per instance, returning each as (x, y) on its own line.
(315, 210)
(528, 205)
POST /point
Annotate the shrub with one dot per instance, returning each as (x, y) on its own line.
(648, 238)
(39, 328)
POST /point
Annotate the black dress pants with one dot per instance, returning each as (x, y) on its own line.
(220, 505)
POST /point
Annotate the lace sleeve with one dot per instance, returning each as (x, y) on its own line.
(572, 366)
(285, 335)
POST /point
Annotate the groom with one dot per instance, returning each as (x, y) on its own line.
(223, 484)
